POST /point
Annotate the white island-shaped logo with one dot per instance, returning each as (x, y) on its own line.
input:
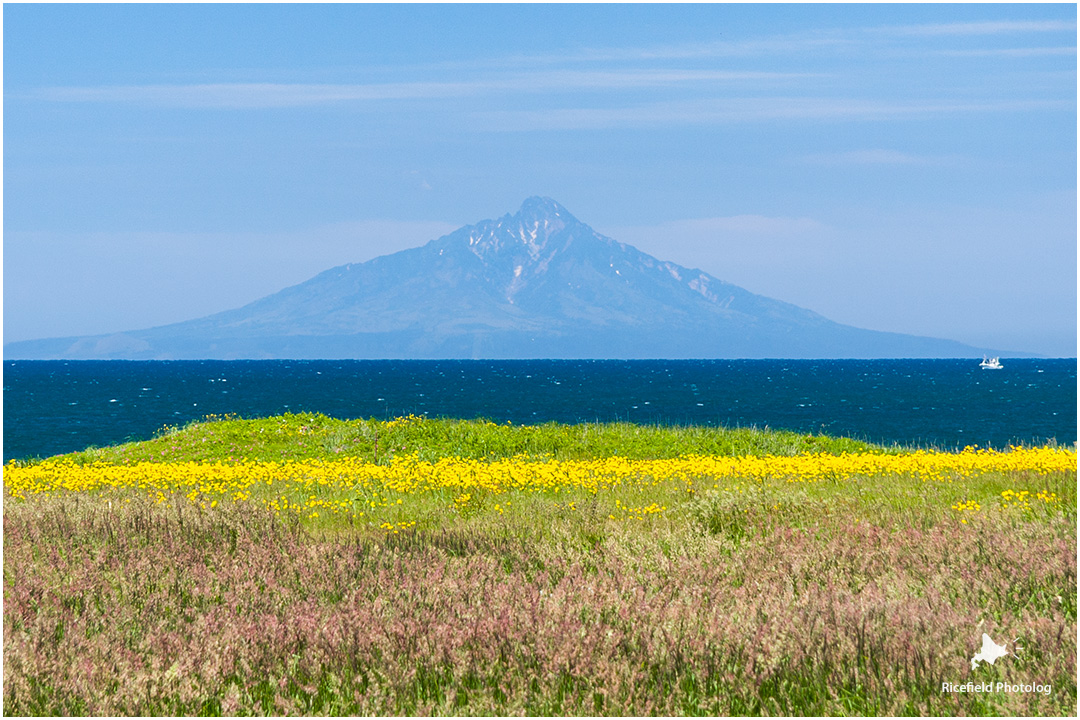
(990, 652)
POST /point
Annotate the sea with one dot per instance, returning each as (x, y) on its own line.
(53, 407)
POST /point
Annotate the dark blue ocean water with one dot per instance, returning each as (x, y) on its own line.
(53, 407)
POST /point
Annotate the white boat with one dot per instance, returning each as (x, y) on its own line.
(991, 364)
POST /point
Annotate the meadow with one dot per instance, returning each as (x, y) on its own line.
(301, 565)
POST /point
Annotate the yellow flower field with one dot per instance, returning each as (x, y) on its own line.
(352, 485)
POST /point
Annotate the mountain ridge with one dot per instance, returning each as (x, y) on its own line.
(536, 283)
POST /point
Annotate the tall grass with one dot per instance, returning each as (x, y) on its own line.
(135, 610)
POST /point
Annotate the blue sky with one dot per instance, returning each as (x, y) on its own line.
(909, 168)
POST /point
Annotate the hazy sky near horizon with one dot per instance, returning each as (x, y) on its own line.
(909, 168)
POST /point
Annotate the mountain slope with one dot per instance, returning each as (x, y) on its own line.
(538, 283)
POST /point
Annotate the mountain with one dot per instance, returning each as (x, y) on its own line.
(535, 284)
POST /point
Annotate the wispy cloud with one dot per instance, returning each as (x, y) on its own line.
(876, 156)
(251, 95)
(742, 225)
(550, 73)
(815, 40)
(284, 95)
(743, 109)
(641, 78)
(990, 27)
(1010, 52)
(811, 41)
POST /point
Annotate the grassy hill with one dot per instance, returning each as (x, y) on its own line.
(310, 436)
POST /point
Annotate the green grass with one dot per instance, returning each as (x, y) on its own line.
(314, 436)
